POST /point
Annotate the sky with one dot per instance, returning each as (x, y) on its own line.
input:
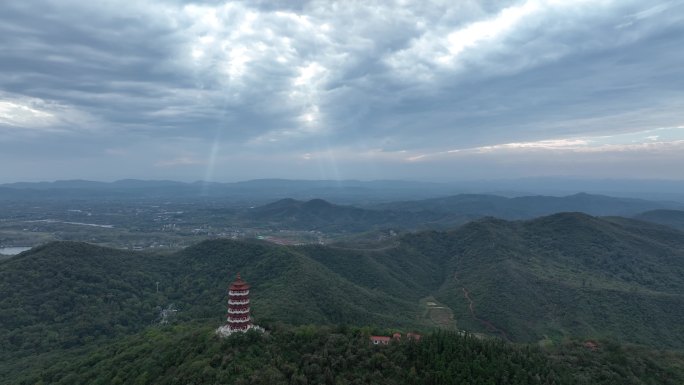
(418, 90)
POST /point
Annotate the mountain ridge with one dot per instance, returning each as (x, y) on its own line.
(567, 275)
(510, 269)
(672, 218)
(342, 191)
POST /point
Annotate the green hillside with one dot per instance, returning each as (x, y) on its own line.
(287, 286)
(66, 294)
(563, 276)
(192, 354)
(672, 218)
(571, 274)
(524, 207)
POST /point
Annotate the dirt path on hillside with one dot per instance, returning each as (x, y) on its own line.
(471, 307)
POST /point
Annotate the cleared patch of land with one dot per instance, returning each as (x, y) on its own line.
(437, 313)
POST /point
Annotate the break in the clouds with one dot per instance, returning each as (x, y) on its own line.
(322, 89)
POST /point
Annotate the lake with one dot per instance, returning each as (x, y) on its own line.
(12, 250)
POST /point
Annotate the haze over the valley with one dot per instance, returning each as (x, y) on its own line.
(438, 91)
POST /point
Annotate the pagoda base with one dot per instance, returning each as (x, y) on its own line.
(226, 330)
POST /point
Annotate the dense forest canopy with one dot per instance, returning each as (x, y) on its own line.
(547, 281)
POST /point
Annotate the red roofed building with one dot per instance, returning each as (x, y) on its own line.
(382, 340)
(379, 340)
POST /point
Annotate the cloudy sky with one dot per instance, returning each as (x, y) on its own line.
(426, 90)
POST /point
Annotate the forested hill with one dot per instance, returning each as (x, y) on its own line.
(565, 275)
(672, 218)
(318, 214)
(525, 207)
(436, 213)
(571, 274)
(192, 354)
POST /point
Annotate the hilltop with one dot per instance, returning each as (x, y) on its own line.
(318, 214)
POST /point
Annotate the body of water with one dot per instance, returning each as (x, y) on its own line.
(12, 250)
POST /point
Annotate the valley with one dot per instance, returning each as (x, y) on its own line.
(149, 215)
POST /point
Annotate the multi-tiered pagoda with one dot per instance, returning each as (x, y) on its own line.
(238, 319)
(238, 305)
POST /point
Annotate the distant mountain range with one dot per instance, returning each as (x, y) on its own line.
(248, 193)
(437, 213)
(261, 191)
(251, 204)
(529, 206)
(361, 206)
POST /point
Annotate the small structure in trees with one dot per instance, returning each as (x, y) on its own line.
(384, 340)
(379, 340)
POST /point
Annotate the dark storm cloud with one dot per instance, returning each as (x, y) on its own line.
(288, 87)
